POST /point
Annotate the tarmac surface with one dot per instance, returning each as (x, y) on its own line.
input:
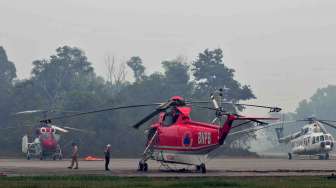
(215, 167)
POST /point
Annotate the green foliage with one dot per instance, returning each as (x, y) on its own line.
(7, 76)
(135, 63)
(68, 70)
(322, 104)
(7, 69)
(177, 78)
(211, 73)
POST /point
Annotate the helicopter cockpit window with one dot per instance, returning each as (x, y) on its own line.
(321, 138)
(45, 136)
(326, 137)
(170, 117)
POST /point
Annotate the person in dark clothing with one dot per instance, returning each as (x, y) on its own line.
(74, 157)
(107, 152)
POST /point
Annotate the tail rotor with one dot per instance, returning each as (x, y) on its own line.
(215, 97)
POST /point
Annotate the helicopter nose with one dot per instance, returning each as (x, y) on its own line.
(326, 145)
(323, 144)
(49, 144)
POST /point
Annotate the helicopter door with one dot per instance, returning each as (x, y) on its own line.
(168, 131)
(25, 144)
(168, 136)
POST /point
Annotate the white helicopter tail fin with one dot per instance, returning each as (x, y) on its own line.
(279, 133)
(25, 144)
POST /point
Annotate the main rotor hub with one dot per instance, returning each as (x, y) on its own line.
(179, 101)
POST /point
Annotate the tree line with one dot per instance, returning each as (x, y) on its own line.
(66, 80)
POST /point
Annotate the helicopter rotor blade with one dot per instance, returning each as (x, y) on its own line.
(324, 120)
(79, 130)
(147, 118)
(58, 128)
(271, 108)
(30, 112)
(254, 129)
(99, 110)
(160, 109)
(7, 128)
(223, 112)
(44, 111)
(328, 124)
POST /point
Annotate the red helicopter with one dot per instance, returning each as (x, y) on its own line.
(176, 138)
(46, 141)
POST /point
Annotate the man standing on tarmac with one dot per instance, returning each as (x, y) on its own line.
(107, 153)
(74, 156)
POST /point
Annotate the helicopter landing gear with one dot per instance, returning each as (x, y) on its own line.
(143, 167)
(147, 154)
(58, 154)
(198, 168)
(290, 156)
(201, 168)
(326, 157)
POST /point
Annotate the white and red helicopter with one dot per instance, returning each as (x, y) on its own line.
(176, 138)
(46, 141)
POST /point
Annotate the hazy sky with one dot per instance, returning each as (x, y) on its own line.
(284, 49)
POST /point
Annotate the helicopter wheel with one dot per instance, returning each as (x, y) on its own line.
(140, 167)
(143, 167)
(198, 168)
(289, 156)
(203, 168)
(42, 157)
(326, 157)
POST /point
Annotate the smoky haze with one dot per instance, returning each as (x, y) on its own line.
(284, 49)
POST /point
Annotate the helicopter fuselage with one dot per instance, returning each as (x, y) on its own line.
(312, 144)
(312, 139)
(45, 144)
(178, 139)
